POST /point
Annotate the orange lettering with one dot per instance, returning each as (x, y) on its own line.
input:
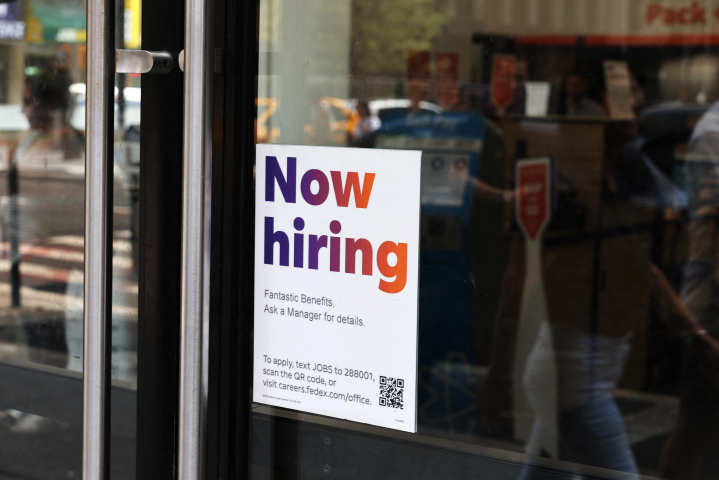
(399, 271)
(343, 195)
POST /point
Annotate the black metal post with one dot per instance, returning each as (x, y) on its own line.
(14, 227)
(160, 222)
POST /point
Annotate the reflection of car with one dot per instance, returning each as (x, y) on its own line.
(265, 108)
(383, 106)
(342, 116)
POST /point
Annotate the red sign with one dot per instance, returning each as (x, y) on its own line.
(502, 86)
(532, 207)
(693, 14)
(419, 71)
(447, 78)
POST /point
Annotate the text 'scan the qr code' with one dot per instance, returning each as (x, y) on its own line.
(391, 392)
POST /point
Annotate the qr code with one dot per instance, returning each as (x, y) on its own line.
(391, 392)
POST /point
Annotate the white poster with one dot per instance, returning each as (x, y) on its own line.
(537, 100)
(336, 277)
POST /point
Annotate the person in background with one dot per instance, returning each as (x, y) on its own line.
(366, 125)
(576, 102)
(697, 425)
(589, 363)
(639, 92)
(49, 142)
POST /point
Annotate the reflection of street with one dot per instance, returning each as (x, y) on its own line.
(48, 272)
(51, 307)
(51, 250)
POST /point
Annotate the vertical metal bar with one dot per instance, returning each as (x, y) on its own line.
(100, 72)
(195, 244)
(119, 45)
(13, 194)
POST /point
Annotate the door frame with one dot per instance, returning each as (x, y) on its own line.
(232, 253)
(160, 229)
(227, 443)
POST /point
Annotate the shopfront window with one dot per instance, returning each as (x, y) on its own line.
(593, 350)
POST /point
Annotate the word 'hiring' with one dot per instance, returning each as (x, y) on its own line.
(288, 188)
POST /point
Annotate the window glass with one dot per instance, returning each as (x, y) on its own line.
(597, 349)
(42, 190)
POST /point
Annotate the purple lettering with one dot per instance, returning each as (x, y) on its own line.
(288, 186)
(272, 237)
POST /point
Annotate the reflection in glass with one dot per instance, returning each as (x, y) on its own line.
(42, 128)
(620, 373)
(42, 256)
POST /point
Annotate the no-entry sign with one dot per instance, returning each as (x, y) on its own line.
(535, 378)
(533, 195)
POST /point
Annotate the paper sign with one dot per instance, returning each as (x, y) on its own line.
(537, 99)
(619, 89)
(502, 87)
(336, 278)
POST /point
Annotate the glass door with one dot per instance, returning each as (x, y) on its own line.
(43, 211)
(43, 223)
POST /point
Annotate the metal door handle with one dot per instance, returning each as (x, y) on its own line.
(142, 61)
(98, 229)
(217, 67)
(197, 179)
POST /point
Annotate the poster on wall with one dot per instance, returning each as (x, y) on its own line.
(502, 83)
(419, 71)
(536, 100)
(447, 78)
(336, 281)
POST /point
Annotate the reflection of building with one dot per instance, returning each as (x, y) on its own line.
(647, 22)
(325, 64)
(552, 38)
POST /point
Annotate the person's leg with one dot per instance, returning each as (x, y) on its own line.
(593, 434)
(684, 452)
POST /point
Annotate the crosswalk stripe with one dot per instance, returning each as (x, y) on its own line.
(59, 275)
(64, 255)
(56, 301)
(79, 241)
